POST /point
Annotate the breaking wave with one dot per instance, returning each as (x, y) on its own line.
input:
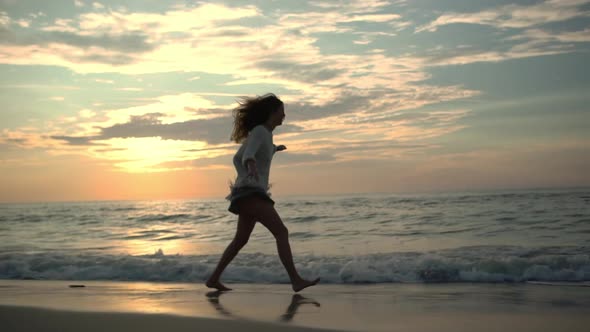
(493, 264)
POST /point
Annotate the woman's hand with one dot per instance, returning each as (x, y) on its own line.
(281, 148)
(252, 170)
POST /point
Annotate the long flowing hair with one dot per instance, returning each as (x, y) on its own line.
(251, 112)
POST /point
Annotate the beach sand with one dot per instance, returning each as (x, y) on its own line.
(35, 319)
(124, 306)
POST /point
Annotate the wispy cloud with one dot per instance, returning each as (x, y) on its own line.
(545, 36)
(131, 89)
(523, 31)
(515, 16)
(100, 80)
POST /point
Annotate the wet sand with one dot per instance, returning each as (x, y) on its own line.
(118, 306)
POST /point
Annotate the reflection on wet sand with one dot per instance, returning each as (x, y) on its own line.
(296, 301)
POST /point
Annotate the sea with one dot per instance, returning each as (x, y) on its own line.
(515, 236)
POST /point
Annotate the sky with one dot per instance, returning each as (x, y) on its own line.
(108, 100)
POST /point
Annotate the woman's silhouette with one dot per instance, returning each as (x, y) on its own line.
(254, 120)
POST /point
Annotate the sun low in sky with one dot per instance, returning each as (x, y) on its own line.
(133, 99)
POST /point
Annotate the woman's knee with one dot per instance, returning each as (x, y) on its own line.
(275, 225)
(240, 242)
(269, 217)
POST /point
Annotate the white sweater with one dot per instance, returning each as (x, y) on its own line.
(258, 146)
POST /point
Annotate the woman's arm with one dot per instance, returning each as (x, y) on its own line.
(253, 143)
(252, 170)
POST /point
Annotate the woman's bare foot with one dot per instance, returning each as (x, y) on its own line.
(217, 285)
(297, 286)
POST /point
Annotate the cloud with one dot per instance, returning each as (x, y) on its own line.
(540, 35)
(105, 81)
(75, 140)
(129, 42)
(530, 43)
(282, 52)
(515, 16)
(337, 17)
(40, 86)
(288, 159)
(299, 71)
(354, 150)
(4, 19)
(213, 131)
(97, 41)
(23, 23)
(530, 35)
(130, 89)
(15, 140)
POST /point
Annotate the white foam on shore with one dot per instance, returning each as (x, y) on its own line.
(468, 264)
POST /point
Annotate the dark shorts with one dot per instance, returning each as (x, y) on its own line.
(241, 192)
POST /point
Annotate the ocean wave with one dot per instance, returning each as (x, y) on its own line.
(491, 264)
(303, 219)
(159, 217)
(118, 208)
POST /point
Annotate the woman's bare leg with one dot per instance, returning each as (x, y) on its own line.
(245, 226)
(268, 216)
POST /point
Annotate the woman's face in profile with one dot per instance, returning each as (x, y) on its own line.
(280, 115)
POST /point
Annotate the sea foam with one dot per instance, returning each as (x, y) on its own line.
(466, 264)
